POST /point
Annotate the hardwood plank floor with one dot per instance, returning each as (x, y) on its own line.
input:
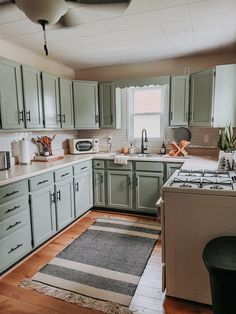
(148, 298)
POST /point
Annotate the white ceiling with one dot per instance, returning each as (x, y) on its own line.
(147, 30)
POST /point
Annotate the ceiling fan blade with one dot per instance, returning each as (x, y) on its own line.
(69, 19)
(101, 1)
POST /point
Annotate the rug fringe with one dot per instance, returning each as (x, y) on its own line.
(106, 307)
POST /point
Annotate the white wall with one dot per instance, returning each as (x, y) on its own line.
(24, 56)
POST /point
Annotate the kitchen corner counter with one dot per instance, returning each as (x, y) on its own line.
(18, 172)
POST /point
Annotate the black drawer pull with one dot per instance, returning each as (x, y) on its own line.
(77, 186)
(10, 194)
(42, 182)
(97, 164)
(65, 174)
(58, 195)
(11, 209)
(15, 224)
(84, 168)
(15, 248)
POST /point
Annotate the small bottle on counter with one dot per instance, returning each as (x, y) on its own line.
(131, 149)
(163, 149)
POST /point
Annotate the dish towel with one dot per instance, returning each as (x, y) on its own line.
(121, 160)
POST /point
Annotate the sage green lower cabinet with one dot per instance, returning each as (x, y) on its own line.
(148, 188)
(119, 189)
(99, 188)
(64, 203)
(83, 187)
(43, 214)
(171, 168)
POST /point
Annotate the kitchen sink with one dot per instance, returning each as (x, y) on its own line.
(147, 155)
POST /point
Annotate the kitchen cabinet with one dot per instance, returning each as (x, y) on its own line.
(51, 105)
(85, 95)
(66, 102)
(11, 99)
(32, 92)
(43, 214)
(109, 106)
(212, 90)
(171, 168)
(83, 193)
(64, 189)
(179, 100)
(83, 187)
(99, 188)
(65, 203)
(119, 189)
(148, 191)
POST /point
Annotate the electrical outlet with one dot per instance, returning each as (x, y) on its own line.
(109, 138)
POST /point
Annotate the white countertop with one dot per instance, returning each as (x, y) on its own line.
(19, 172)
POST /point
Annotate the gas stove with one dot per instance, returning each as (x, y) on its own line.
(204, 179)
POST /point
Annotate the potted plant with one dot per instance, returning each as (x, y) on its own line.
(226, 143)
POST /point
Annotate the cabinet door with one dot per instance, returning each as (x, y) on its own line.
(107, 105)
(32, 91)
(66, 101)
(65, 203)
(11, 100)
(148, 191)
(179, 105)
(83, 193)
(171, 168)
(43, 214)
(202, 91)
(52, 116)
(119, 189)
(99, 188)
(86, 104)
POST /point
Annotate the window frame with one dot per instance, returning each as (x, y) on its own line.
(131, 114)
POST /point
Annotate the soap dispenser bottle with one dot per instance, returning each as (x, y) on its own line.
(163, 149)
(131, 149)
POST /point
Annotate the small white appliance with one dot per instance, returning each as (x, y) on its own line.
(83, 146)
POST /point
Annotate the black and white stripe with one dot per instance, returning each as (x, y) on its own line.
(105, 262)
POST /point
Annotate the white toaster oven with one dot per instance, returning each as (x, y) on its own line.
(83, 146)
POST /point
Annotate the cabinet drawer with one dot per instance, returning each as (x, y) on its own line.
(13, 223)
(14, 190)
(82, 167)
(13, 207)
(148, 166)
(63, 174)
(98, 164)
(111, 165)
(41, 181)
(14, 246)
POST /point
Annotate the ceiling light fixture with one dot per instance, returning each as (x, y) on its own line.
(43, 12)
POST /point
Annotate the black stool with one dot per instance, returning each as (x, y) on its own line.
(219, 256)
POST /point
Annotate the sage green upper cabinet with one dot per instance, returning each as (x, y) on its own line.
(51, 105)
(86, 104)
(32, 92)
(119, 189)
(109, 106)
(66, 101)
(202, 84)
(11, 100)
(213, 97)
(179, 101)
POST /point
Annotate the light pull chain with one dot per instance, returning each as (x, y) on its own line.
(44, 23)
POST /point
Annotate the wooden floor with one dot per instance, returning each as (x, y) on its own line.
(148, 298)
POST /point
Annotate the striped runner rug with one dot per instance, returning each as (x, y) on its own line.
(102, 267)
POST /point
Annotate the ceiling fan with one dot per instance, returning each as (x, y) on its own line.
(49, 12)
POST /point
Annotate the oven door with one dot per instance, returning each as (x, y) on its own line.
(85, 146)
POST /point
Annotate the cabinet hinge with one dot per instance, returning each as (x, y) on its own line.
(212, 119)
(96, 118)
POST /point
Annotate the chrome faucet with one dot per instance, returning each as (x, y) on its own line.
(144, 140)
